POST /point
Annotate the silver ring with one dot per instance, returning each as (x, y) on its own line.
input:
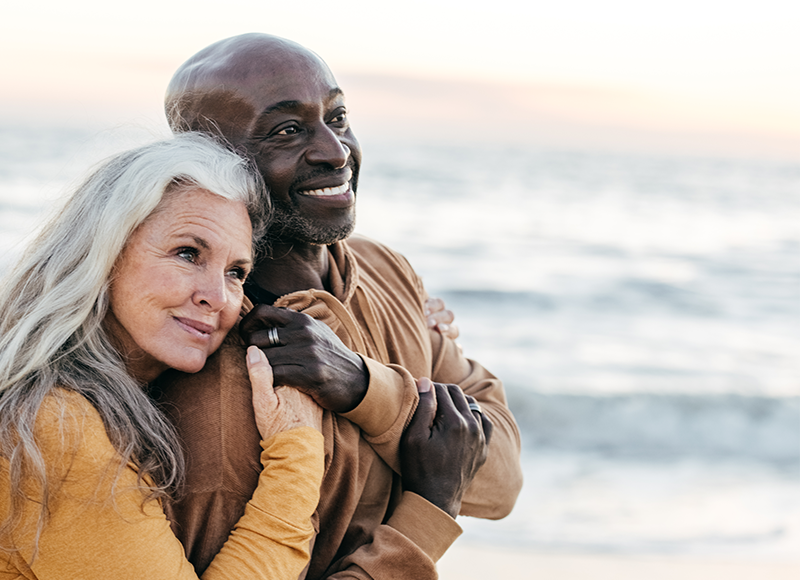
(475, 407)
(272, 335)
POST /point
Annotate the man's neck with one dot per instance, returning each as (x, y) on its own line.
(293, 267)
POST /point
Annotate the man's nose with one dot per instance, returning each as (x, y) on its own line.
(327, 148)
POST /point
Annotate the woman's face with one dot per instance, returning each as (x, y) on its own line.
(177, 289)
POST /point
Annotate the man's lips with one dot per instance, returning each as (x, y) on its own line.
(195, 327)
(342, 189)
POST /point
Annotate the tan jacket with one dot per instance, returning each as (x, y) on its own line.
(367, 526)
(92, 534)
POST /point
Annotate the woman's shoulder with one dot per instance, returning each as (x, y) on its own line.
(68, 427)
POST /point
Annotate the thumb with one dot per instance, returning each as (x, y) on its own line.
(260, 371)
(426, 408)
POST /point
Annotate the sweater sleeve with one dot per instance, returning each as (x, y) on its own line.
(99, 526)
(406, 547)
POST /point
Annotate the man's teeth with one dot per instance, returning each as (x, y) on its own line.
(328, 191)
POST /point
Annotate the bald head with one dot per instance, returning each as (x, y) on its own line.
(210, 91)
(278, 103)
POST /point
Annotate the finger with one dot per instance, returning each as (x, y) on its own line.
(426, 408)
(286, 335)
(474, 406)
(459, 399)
(264, 316)
(446, 409)
(443, 316)
(433, 305)
(260, 371)
(449, 330)
(487, 426)
(483, 420)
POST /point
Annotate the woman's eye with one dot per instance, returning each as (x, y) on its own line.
(188, 254)
(238, 273)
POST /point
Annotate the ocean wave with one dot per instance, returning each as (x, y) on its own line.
(662, 426)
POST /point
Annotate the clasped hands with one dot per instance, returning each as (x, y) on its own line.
(445, 442)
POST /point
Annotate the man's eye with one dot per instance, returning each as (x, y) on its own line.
(288, 131)
(339, 118)
(188, 254)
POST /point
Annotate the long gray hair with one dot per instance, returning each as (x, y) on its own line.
(53, 303)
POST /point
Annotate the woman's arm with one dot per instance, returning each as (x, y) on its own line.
(92, 534)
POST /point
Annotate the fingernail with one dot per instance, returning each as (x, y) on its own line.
(424, 385)
(253, 355)
(431, 322)
(444, 327)
(427, 311)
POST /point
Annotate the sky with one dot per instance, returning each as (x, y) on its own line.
(683, 72)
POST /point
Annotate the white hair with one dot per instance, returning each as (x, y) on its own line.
(53, 303)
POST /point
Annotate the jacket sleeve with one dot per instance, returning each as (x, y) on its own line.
(498, 482)
(100, 527)
(392, 395)
(392, 399)
(406, 547)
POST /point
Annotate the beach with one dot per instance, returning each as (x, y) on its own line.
(641, 310)
(471, 562)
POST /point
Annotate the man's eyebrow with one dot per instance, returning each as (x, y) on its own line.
(281, 106)
(290, 105)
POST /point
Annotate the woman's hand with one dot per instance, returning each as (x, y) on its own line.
(278, 409)
(440, 318)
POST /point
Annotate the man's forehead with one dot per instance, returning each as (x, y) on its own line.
(269, 78)
(235, 81)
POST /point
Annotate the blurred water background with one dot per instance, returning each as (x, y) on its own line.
(642, 309)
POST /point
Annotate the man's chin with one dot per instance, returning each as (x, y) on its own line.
(298, 230)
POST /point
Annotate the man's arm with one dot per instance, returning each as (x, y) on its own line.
(497, 484)
(442, 449)
(381, 398)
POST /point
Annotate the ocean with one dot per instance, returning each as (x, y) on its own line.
(642, 310)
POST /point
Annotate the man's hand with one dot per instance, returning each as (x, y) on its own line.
(443, 446)
(440, 318)
(309, 356)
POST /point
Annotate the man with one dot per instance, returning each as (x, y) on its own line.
(389, 499)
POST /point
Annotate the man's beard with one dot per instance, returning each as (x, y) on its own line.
(287, 226)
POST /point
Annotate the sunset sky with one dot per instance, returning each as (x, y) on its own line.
(571, 71)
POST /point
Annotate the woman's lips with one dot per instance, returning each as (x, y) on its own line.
(195, 327)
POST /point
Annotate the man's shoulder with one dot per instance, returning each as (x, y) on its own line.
(370, 252)
(363, 243)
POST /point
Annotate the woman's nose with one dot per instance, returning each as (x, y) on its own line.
(211, 292)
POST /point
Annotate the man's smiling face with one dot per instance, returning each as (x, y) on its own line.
(303, 146)
(280, 103)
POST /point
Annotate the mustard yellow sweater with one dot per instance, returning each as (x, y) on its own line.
(93, 533)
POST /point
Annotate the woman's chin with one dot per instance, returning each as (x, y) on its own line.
(190, 365)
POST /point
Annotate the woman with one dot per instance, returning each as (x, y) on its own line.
(141, 271)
